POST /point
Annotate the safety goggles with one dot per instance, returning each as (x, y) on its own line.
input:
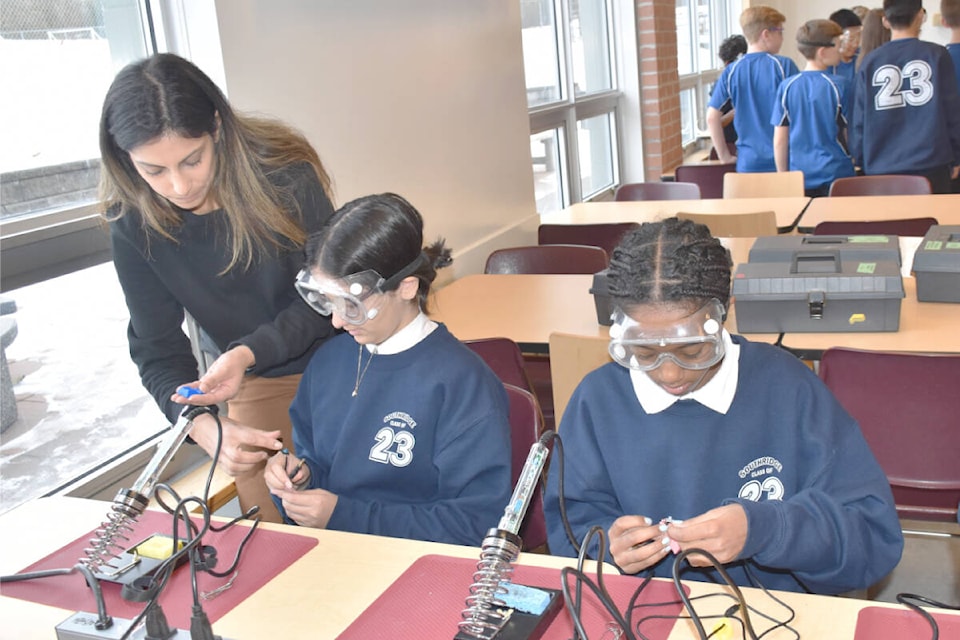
(696, 342)
(349, 295)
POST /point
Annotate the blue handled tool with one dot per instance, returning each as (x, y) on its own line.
(186, 391)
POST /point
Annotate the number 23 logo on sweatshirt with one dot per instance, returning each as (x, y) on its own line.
(762, 481)
(395, 440)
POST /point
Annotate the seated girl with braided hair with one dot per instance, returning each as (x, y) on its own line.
(694, 438)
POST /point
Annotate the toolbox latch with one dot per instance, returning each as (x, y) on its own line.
(815, 301)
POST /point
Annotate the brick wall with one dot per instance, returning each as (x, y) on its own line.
(659, 86)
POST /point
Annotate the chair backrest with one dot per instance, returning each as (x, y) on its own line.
(736, 225)
(605, 235)
(547, 258)
(899, 227)
(657, 191)
(906, 405)
(526, 425)
(778, 184)
(504, 357)
(884, 185)
(571, 358)
(709, 177)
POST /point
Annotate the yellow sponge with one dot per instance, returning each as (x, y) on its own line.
(158, 547)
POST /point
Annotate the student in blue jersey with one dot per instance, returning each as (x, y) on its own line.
(739, 440)
(906, 111)
(730, 51)
(950, 14)
(749, 86)
(400, 430)
(810, 113)
(849, 44)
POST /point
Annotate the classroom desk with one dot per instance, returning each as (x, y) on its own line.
(944, 207)
(925, 327)
(527, 309)
(787, 210)
(329, 587)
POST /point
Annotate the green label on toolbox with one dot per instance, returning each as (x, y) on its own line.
(866, 267)
(933, 245)
(853, 239)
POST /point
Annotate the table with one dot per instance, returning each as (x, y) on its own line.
(788, 210)
(303, 601)
(527, 308)
(944, 207)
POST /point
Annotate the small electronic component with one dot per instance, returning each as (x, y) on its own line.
(187, 391)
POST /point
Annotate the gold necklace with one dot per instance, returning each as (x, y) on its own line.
(360, 374)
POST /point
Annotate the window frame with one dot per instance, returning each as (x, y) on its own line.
(566, 112)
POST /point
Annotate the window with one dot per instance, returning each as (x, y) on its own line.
(573, 99)
(74, 381)
(701, 26)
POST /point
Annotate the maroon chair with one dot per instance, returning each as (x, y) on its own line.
(605, 235)
(899, 227)
(906, 405)
(709, 177)
(548, 258)
(885, 185)
(526, 426)
(657, 191)
(504, 357)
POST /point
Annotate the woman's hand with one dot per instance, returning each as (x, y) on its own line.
(243, 449)
(285, 472)
(311, 508)
(222, 379)
(636, 543)
(721, 531)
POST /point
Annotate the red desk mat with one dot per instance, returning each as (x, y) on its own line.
(266, 554)
(884, 623)
(426, 600)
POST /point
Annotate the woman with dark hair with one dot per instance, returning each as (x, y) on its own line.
(411, 438)
(209, 210)
(696, 439)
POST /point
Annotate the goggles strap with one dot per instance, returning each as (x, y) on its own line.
(394, 281)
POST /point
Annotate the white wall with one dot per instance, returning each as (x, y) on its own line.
(422, 97)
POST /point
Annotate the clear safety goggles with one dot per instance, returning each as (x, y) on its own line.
(348, 295)
(696, 342)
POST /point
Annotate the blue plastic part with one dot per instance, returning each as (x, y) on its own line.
(526, 599)
(186, 391)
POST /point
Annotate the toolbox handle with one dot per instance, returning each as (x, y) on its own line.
(816, 262)
(825, 240)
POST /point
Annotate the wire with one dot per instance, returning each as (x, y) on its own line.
(611, 608)
(726, 577)
(904, 598)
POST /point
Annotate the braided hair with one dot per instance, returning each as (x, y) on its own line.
(669, 261)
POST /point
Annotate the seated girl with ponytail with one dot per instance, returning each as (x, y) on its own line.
(400, 430)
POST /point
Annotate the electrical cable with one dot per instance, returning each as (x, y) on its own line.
(611, 608)
(904, 598)
(744, 609)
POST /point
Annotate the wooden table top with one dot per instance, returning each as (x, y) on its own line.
(945, 208)
(332, 584)
(787, 210)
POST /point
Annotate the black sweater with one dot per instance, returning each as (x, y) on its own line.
(256, 306)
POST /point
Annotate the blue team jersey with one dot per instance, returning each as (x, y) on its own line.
(814, 105)
(846, 70)
(906, 113)
(749, 85)
(954, 49)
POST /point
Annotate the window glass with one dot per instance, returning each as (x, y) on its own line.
(706, 53)
(595, 140)
(688, 116)
(685, 57)
(67, 53)
(590, 47)
(541, 56)
(546, 149)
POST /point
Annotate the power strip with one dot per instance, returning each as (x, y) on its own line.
(82, 626)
